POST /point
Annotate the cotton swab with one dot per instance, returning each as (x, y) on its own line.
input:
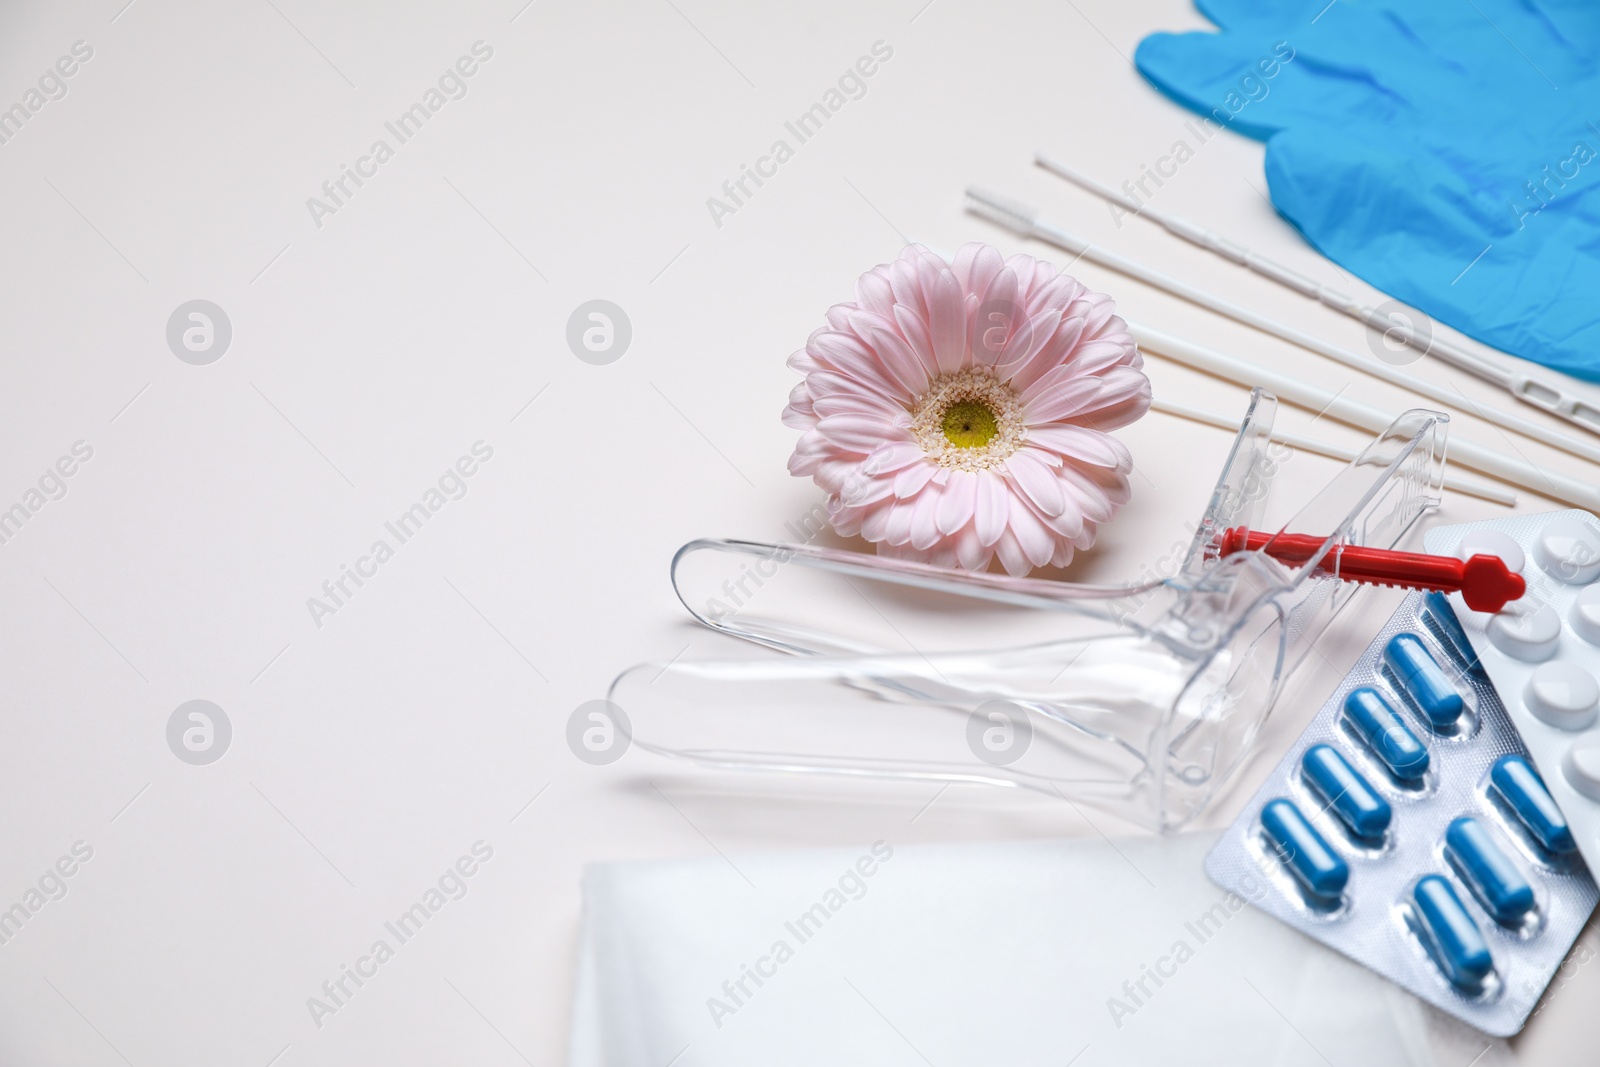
(1543, 394)
(1338, 406)
(1025, 221)
(1322, 448)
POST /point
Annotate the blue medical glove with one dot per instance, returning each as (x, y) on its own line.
(1447, 151)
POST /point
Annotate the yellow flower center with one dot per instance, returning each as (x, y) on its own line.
(968, 420)
(969, 424)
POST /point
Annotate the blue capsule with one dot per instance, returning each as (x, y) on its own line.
(1444, 618)
(1299, 845)
(1421, 677)
(1520, 786)
(1346, 792)
(1387, 736)
(1458, 944)
(1500, 887)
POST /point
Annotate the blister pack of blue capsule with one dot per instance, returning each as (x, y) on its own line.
(1542, 650)
(1408, 829)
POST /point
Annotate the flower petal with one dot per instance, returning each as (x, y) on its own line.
(1052, 380)
(992, 508)
(858, 491)
(910, 481)
(1097, 310)
(1032, 335)
(924, 528)
(863, 321)
(929, 267)
(796, 419)
(799, 413)
(915, 331)
(901, 360)
(1124, 397)
(1043, 455)
(907, 287)
(998, 309)
(1012, 558)
(873, 291)
(1131, 410)
(1097, 500)
(855, 404)
(1025, 267)
(947, 325)
(830, 348)
(803, 362)
(1103, 353)
(975, 264)
(1037, 541)
(831, 380)
(986, 263)
(1061, 399)
(856, 433)
(970, 552)
(891, 457)
(1082, 445)
(992, 328)
(853, 357)
(899, 526)
(803, 464)
(958, 501)
(1050, 355)
(1069, 523)
(1033, 479)
(846, 522)
(1052, 291)
(875, 524)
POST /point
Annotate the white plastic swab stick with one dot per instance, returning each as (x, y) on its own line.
(1023, 220)
(1541, 393)
(1338, 406)
(1455, 484)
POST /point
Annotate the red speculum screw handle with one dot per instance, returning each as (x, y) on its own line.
(1484, 581)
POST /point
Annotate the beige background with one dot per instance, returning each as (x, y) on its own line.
(369, 353)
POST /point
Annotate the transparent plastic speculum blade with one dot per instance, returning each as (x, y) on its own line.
(1140, 699)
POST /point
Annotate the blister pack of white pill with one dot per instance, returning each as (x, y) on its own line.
(1543, 651)
(1407, 829)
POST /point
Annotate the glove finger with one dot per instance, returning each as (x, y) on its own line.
(1232, 80)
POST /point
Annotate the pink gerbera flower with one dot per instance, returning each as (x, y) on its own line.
(958, 412)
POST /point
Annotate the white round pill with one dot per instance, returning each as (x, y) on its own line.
(1531, 633)
(1568, 548)
(1492, 543)
(1584, 615)
(1581, 767)
(1563, 695)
